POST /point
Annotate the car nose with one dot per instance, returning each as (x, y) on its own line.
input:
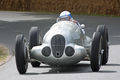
(58, 45)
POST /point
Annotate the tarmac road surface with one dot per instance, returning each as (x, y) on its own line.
(13, 23)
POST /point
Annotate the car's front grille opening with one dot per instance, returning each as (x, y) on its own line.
(58, 45)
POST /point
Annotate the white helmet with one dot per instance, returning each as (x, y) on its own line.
(65, 14)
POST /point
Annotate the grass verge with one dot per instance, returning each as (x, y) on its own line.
(4, 54)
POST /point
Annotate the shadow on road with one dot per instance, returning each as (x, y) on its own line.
(112, 64)
(31, 74)
(78, 68)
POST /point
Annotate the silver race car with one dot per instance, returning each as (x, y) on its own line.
(64, 44)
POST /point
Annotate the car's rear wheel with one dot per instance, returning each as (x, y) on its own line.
(96, 52)
(34, 41)
(21, 54)
(104, 32)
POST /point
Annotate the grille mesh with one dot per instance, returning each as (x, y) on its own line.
(58, 45)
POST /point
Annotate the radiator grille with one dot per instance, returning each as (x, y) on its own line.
(58, 45)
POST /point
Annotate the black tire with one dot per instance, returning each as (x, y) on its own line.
(34, 41)
(104, 32)
(95, 57)
(21, 54)
(107, 34)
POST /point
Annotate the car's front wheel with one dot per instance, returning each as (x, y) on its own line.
(21, 54)
(96, 52)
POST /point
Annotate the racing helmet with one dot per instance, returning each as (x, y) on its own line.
(65, 15)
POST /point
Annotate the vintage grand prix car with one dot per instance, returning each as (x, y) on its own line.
(64, 44)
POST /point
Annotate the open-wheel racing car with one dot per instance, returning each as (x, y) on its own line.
(64, 44)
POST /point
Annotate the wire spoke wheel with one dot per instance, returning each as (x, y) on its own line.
(96, 49)
(21, 55)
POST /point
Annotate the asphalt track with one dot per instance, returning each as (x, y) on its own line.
(13, 23)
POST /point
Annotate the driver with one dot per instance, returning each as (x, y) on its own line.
(66, 16)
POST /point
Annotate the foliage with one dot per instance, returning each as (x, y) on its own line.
(102, 7)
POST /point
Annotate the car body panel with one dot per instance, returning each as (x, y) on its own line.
(74, 37)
